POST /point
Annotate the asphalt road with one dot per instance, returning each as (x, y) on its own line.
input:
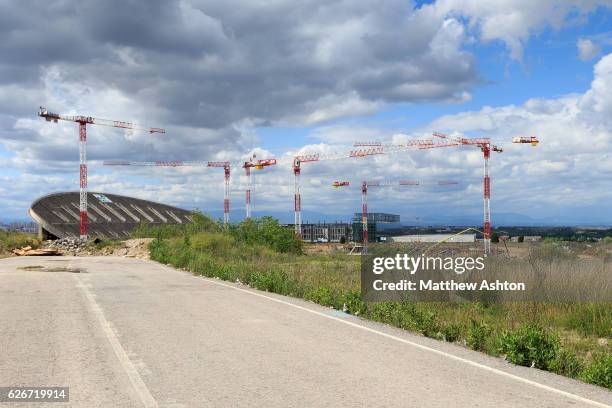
(130, 333)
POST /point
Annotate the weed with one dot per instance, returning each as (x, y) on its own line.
(478, 335)
(354, 304)
(566, 363)
(322, 295)
(451, 332)
(530, 345)
(591, 319)
(10, 240)
(599, 371)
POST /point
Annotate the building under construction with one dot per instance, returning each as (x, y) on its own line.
(110, 215)
(358, 231)
(327, 232)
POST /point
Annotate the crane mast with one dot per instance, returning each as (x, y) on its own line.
(485, 146)
(226, 180)
(83, 121)
(258, 165)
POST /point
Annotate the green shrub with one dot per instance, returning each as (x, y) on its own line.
(426, 322)
(160, 251)
(268, 231)
(477, 335)
(354, 304)
(451, 332)
(200, 223)
(530, 345)
(322, 295)
(406, 315)
(566, 363)
(216, 243)
(272, 281)
(599, 372)
(225, 272)
(383, 311)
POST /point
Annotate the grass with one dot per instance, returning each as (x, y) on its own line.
(572, 339)
(10, 240)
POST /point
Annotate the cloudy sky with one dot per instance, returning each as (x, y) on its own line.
(277, 77)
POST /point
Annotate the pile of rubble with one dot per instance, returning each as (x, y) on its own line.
(131, 248)
(66, 245)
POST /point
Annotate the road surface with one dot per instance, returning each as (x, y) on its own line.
(123, 332)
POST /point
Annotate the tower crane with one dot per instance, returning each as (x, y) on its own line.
(367, 149)
(365, 185)
(297, 198)
(316, 157)
(83, 121)
(226, 180)
(258, 165)
(226, 165)
(486, 147)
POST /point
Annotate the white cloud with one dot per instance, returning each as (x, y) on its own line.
(293, 65)
(513, 22)
(568, 167)
(587, 49)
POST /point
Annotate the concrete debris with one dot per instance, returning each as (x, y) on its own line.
(131, 248)
(66, 244)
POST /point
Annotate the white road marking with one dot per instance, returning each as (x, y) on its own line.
(420, 346)
(137, 382)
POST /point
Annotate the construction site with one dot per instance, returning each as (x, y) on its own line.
(359, 232)
(285, 204)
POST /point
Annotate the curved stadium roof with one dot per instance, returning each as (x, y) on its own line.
(110, 215)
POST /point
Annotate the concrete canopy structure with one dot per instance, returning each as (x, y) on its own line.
(110, 215)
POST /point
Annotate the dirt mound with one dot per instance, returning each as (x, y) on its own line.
(132, 248)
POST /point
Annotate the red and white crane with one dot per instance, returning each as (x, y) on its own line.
(226, 180)
(316, 157)
(370, 149)
(258, 165)
(485, 146)
(364, 198)
(83, 121)
(226, 165)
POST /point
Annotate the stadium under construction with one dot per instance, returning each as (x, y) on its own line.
(110, 216)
